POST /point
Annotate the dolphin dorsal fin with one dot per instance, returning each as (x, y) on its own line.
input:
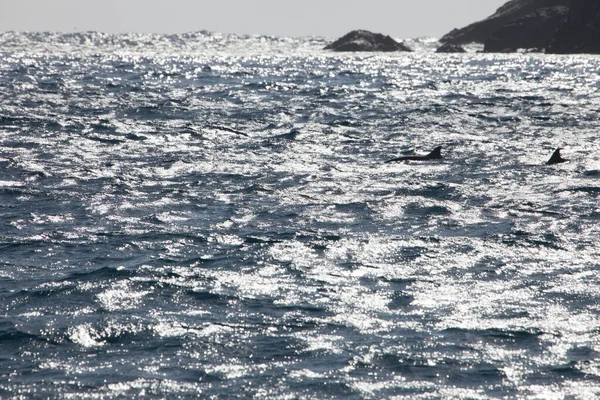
(435, 153)
(556, 158)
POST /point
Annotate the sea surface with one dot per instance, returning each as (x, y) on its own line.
(211, 216)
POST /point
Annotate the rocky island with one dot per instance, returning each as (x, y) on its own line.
(450, 48)
(362, 40)
(518, 24)
(557, 26)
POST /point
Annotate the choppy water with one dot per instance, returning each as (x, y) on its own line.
(211, 216)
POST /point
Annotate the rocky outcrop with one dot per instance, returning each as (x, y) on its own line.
(528, 11)
(581, 32)
(362, 40)
(450, 48)
(532, 31)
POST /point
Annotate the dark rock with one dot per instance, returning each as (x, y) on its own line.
(450, 48)
(581, 32)
(480, 32)
(362, 40)
(533, 31)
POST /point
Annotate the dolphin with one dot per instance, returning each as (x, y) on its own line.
(556, 158)
(435, 154)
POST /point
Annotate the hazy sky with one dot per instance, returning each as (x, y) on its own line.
(329, 18)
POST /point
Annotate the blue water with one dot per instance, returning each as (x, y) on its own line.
(211, 216)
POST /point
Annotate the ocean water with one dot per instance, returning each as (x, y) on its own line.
(211, 216)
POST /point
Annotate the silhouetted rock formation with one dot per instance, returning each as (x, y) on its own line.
(581, 32)
(532, 23)
(532, 31)
(450, 48)
(362, 40)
